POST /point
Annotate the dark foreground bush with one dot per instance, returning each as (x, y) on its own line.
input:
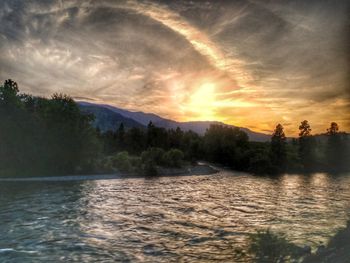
(269, 247)
(336, 251)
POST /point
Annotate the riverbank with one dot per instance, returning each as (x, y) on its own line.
(337, 250)
(273, 247)
(198, 169)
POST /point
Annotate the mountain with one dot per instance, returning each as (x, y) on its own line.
(143, 119)
(106, 119)
(139, 116)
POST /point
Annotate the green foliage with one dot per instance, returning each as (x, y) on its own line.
(307, 154)
(149, 168)
(192, 146)
(225, 145)
(52, 136)
(44, 136)
(270, 247)
(341, 238)
(258, 159)
(173, 158)
(135, 140)
(278, 153)
(121, 136)
(337, 249)
(337, 152)
(122, 162)
(157, 137)
(150, 159)
(9, 94)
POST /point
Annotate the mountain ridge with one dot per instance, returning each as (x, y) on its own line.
(143, 119)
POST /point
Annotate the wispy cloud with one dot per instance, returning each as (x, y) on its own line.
(241, 62)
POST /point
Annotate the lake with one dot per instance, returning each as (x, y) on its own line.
(167, 219)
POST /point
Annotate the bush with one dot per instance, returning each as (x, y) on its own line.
(153, 155)
(135, 163)
(122, 162)
(173, 158)
(270, 247)
(149, 168)
(150, 159)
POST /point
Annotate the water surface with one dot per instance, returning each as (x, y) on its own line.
(168, 219)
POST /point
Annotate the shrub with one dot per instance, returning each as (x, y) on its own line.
(150, 159)
(271, 247)
(173, 158)
(149, 168)
(153, 155)
(122, 162)
(135, 163)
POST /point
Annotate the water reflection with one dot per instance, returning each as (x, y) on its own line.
(200, 218)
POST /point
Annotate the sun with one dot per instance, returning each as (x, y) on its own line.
(202, 102)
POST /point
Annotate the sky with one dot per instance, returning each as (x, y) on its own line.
(247, 63)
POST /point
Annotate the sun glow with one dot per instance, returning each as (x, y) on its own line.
(202, 102)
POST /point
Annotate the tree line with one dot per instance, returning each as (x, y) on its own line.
(41, 136)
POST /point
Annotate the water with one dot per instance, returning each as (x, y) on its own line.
(169, 219)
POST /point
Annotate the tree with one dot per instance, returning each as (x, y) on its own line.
(44, 136)
(150, 159)
(173, 158)
(225, 145)
(122, 162)
(304, 128)
(175, 137)
(157, 137)
(121, 136)
(192, 146)
(135, 140)
(333, 129)
(306, 146)
(337, 150)
(9, 93)
(278, 152)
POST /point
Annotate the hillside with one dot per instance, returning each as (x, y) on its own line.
(105, 119)
(141, 118)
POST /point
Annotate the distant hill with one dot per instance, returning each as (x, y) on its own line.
(142, 119)
(106, 119)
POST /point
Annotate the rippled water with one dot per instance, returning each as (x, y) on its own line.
(168, 219)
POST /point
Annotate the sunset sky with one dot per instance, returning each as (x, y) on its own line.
(247, 63)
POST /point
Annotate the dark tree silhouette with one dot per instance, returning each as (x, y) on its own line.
(135, 140)
(333, 129)
(337, 150)
(304, 129)
(306, 147)
(8, 93)
(278, 152)
(43, 136)
(121, 137)
(40, 136)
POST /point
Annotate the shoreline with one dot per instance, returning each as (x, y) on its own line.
(199, 169)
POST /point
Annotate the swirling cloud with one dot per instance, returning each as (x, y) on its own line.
(247, 63)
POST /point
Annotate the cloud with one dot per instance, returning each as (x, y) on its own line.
(265, 62)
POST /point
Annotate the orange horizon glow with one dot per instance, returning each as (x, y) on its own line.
(245, 64)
